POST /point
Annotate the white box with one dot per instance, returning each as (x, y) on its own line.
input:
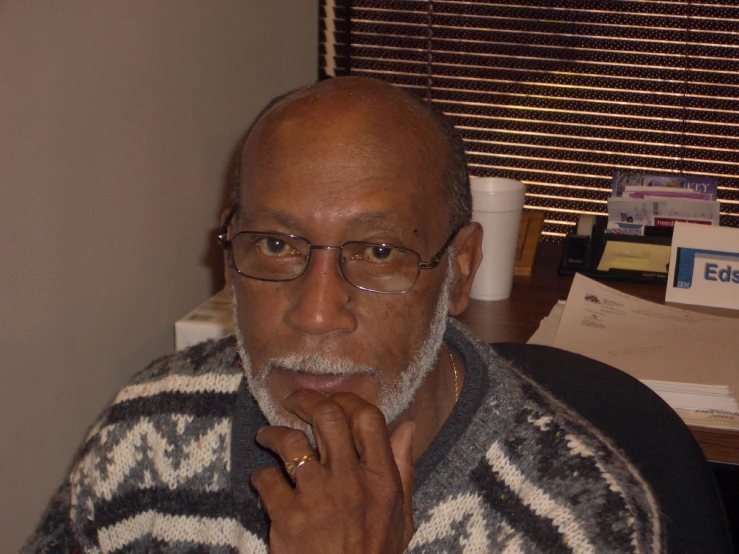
(212, 319)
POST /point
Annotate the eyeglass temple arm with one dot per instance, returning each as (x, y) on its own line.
(434, 261)
(223, 234)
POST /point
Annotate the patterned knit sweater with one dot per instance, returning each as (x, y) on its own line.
(166, 469)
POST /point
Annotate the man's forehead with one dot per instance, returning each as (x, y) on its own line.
(337, 147)
(352, 212)
(359, 106)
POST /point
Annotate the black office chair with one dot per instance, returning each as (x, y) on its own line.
(647, 430)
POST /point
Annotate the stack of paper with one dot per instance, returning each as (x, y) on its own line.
(690, 359)
(659, 200)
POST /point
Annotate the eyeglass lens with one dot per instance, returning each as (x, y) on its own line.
(373, 267)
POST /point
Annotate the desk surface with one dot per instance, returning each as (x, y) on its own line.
(516, 318)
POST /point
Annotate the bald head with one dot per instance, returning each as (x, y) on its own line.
(372, 115)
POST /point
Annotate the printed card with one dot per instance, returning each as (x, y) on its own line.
(704, 266)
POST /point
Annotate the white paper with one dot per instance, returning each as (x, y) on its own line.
(665, 192)
(716, 419)
(652, 342)
(644, 211)
(548, 326)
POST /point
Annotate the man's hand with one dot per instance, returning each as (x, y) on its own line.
(356, 496)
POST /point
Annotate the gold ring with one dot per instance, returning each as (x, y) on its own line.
(292, 466)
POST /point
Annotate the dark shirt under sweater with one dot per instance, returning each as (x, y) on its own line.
(166, 469)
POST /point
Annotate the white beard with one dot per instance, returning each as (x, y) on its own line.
(395, 395)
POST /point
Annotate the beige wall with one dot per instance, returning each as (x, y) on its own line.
(117, 120)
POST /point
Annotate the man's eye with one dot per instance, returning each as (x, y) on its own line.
(379, 254)
(275, 246)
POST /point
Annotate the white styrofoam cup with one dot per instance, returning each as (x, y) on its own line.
(497, 204)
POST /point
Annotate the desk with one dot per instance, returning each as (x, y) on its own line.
(516, 319)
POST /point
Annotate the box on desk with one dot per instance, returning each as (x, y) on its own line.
(212, 319)
(599, 254)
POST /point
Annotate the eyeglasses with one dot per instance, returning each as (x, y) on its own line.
(369, 266)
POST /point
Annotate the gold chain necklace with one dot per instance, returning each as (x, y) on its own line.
(456, 378)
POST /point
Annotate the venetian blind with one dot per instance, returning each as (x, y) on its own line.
(560, 94)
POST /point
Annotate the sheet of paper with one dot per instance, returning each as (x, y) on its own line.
(647, 340)
(693, 401)
(644, 211)
(548, 326)
(697, 183)
(665, 192)
(716, 419)
(635, 256)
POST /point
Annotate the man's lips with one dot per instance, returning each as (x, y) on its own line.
(323, 383)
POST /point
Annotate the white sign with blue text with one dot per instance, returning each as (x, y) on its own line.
(704, 266)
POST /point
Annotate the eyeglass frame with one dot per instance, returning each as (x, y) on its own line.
(226, 243)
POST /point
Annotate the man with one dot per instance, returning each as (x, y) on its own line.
(388, 426)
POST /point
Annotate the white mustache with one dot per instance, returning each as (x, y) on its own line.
(318, 364)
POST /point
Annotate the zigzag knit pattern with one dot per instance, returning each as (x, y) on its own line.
(511, 471)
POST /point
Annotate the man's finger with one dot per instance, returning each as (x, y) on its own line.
(368, 429)
(301, 403)
(401, 443)
(330, 426)
(291, 445)
(286, 442)
(273, 489)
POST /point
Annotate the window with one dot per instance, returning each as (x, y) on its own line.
(561, 94)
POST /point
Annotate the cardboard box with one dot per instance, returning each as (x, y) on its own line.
(212, 319)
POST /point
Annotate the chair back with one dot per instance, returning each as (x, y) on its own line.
(647, 430)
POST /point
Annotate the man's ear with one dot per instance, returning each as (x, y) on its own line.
(227, 273)
(468, 255)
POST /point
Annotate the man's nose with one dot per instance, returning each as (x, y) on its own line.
(321, 296)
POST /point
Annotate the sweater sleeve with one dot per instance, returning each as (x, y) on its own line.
(58, 532)
(165, 438)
